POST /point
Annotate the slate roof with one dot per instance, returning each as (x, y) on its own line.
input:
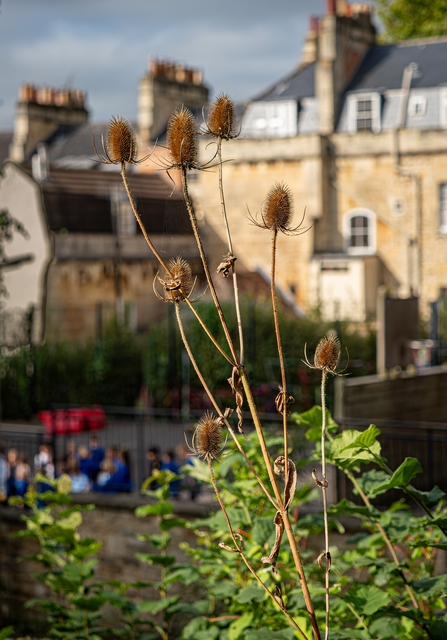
(383, 66)
(297, 85)
(80, 201)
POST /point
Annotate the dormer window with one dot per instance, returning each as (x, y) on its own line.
(275, 119)
(364, 112)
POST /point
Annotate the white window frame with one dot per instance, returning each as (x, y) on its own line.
(442, 194)
(271, 119)
(417, 106)
(443, 107)
(372, 234)
(376, 108)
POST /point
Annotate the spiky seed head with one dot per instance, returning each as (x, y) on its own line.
(327, 353)
(221, 117)
(208, 437)
(180, 285)
(278, 208)
(121, 144)
(181, 138)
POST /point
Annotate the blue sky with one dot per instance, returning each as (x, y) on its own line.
(103, 46)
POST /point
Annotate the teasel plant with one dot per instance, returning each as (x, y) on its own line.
(119, 147)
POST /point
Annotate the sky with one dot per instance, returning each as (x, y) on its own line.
(104, 46)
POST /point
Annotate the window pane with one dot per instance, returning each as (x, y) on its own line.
(359, 232)
(443, 204)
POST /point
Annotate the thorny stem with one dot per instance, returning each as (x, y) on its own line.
(282, 510)
(195, 229)
(216, 406)
(324, 494)
(242, 555)
(230, 251)
(280, 355)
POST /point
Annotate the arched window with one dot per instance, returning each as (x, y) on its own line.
(359, 230)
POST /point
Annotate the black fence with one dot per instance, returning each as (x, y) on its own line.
(426, 441)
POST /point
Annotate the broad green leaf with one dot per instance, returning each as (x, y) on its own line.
(73, 521)
(155, 606)
(170, 523)
(385, 628)
(266, 634)
(366, 438)
(252, 593)
(429, 498)
(263, 528)
(186, 575)
(163, 561)
(346, 456)
(89, 604)
(224, 589)
(403, 475)
(368, 599)
(159, 509)
(345, 507)
(235, 629)
(372, 479)
(428, 587)
(6, 632)
(313, 418)
(85, 548)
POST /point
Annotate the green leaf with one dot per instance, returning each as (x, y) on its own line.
(159, 509)
(368, 599)
(366, 439)
(438, 630)
(6, 632)
(432, 586)
(385, 628)
(252, 593)
(262, 530)
(89, 604)
(162, 561)
(224, 589)
(345, 507)
(155, 606)
(372, 479)
(170, 523)
(235, 629)
(429, 498)
(186, 574)
(266, 634)
(346, 456)
(403, 475)
(85, 548)
(313, 418)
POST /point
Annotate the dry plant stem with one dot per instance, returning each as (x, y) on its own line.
(195, 229)
(216, 406)
(163, 263)
(283, 512)
(323, 491)
(139, 220)
(230, 250)
(382, 532)
(247, 564)
(280, 355)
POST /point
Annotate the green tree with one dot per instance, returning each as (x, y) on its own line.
(403, 19)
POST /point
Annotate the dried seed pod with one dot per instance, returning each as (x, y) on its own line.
(120, 145)
(207, 439)
(220, 122)
(278, 208)
(180, 285)
(181, 138)
(327, 353)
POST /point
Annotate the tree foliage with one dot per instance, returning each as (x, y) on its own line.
(404, 19)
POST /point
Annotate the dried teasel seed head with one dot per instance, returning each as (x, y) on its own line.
(121, 145)
(220, 120)
(327, 353)
(181, 138)
(208, 437)
(180, 285)
(278, 208)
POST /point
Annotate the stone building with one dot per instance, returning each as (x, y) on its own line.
(359, 133)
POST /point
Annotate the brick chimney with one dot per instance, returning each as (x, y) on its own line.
(167, 85)
(346, 34)
(40, 111)
(310, 47)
